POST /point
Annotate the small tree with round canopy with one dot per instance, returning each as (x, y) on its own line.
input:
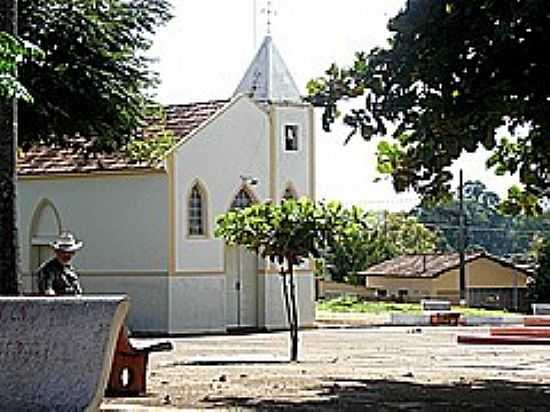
(287, 234)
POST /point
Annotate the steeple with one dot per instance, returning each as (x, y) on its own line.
(267, 78)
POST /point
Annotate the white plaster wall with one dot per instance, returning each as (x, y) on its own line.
(275, 314)
(233, 144)
(148, 299)
(293, 166)
(121, 219)
(197, 304)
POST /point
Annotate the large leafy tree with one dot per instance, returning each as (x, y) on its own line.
(10, 50)
(92, 80)
(455, 71)
(286, 234)
(13, 49)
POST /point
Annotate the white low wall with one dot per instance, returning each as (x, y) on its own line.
(541, 308)
(404, 319)
(274, 310)
(197, 304)
(148, 296)
(491, 320)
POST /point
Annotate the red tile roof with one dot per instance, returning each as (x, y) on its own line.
(428, 265)
(180, 119)
(43, 160)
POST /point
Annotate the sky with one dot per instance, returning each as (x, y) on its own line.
(205, 50)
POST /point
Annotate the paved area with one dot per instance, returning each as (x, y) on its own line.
(386, 369)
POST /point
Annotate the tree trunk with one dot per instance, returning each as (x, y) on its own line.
(9, 282)
(286, 297)
(294, 309)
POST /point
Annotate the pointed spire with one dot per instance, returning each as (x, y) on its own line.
(267, 78)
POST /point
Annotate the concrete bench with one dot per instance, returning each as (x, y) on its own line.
(56, 352)
(129, 370)
(435, 305)
(541, 308)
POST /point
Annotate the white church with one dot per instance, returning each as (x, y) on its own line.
(148, 230)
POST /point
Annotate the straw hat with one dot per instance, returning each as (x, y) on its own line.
(66, 242)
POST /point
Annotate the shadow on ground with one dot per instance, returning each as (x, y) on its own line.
(387, 395)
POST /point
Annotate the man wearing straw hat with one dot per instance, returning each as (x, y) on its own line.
(57, 276)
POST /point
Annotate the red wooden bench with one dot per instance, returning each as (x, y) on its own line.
(129, 371)
(445, 318)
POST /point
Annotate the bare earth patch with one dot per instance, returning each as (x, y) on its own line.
(389, 368)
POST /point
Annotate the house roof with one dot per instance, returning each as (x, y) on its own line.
(268, 78)
(429, 265)
(180, 119)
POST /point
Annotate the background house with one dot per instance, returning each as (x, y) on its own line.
(490, 281)
(148, 229)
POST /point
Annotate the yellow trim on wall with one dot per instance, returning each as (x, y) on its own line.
(35, 220)
(273, 154)
(172, 233)
(312, 154)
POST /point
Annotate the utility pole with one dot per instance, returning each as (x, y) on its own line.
(462, 240)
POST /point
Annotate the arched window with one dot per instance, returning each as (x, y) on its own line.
(197, 212)
(242, 200)
(45, 227)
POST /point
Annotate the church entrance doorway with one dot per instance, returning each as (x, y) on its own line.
(241, 309)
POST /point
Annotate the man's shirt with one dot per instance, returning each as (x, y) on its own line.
(62, 279)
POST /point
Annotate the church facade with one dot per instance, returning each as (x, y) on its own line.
(149, 230)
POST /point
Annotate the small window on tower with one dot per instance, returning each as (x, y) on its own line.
(291, 137)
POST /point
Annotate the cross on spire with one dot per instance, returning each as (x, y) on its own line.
(270, 12)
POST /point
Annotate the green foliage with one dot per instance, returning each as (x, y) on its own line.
(349, 304)
(519, 201)
(454, 72)
(293, 230)
(371, 239)
(151, 150)
(289, 232)
(488, 228)
(155, 141)
(94, 80)
(349, 239)
(13, 50)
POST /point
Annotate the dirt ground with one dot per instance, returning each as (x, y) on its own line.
(377, 368)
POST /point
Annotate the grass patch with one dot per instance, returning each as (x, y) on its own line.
(352, 304)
